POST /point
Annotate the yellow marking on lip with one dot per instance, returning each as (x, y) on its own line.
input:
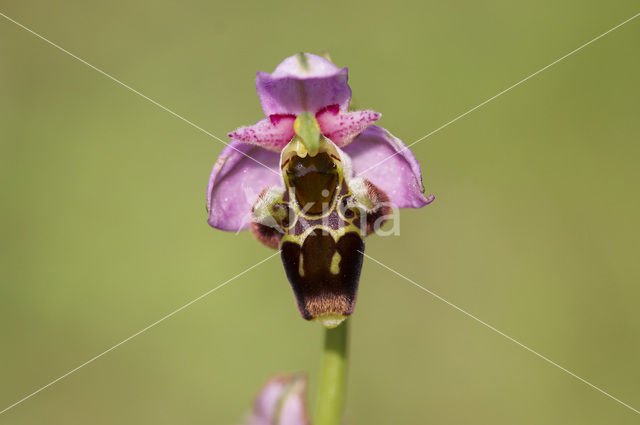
(301, 266)
(335, 263)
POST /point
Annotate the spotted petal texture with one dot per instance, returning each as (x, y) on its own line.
(399, 177)
(272, 133)
(240, 174)
(341, 127)
(303, 82)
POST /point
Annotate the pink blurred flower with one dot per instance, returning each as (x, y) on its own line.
(281, 402)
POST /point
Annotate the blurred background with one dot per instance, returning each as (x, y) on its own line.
(534, 228)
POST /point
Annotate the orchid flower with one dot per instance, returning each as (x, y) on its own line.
(313, 179)
(281, 402)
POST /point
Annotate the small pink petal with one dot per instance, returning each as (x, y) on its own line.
(272, 133)
(342, 127)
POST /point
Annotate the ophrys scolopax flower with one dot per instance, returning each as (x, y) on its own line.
(309, 180)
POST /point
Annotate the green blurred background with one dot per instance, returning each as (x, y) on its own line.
(534, 229)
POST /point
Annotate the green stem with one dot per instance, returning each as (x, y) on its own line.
(333, 377)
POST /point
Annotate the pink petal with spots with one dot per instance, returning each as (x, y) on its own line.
(341, 127)
(272, 133)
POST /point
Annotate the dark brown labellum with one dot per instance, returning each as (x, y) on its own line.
(324, 274)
